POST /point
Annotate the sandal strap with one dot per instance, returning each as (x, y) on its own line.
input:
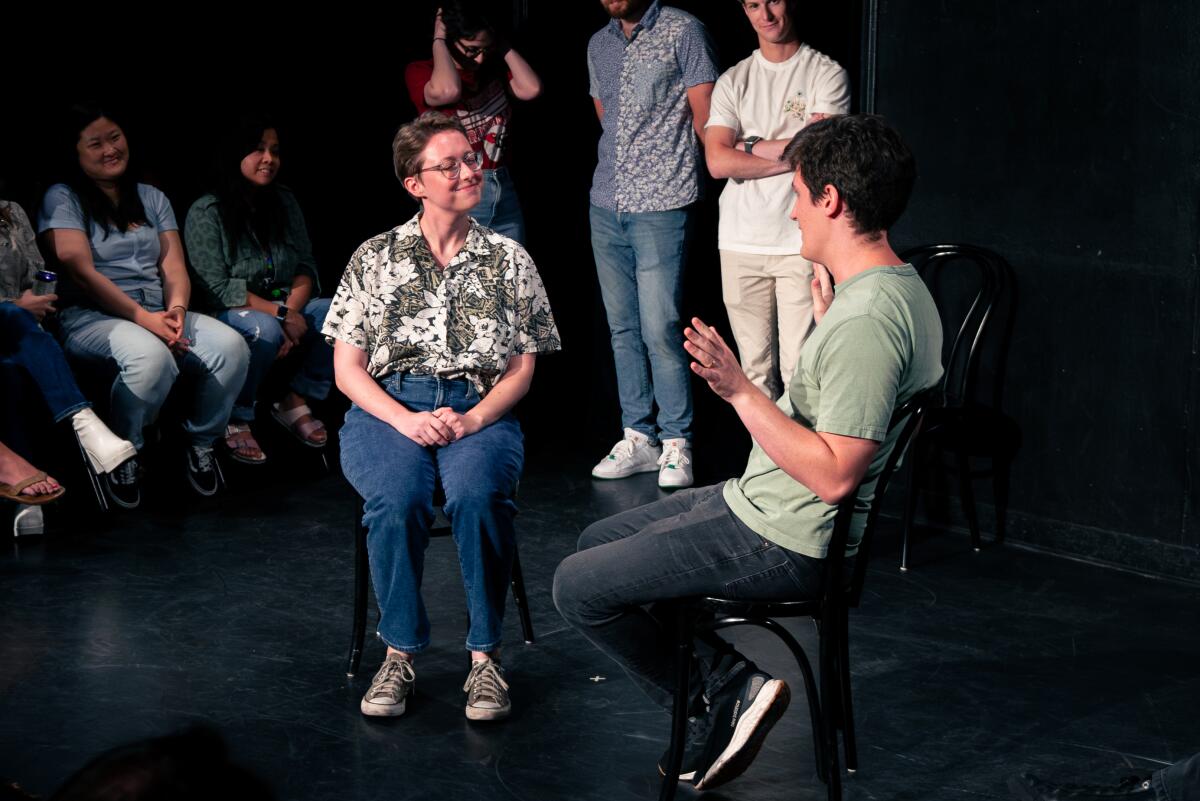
(289, 416)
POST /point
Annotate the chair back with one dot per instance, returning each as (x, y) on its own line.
(966, 283)
(908, 417)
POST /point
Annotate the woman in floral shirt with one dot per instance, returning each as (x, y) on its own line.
(435, 326)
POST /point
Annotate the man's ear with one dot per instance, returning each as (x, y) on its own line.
(831, 201)
(414, 186)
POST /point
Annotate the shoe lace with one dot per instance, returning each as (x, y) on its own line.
(125, 473)
(203, 458)
(394, 673)
(484, 682)
(673, 454)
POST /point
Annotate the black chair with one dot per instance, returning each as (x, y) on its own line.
(362, 578)
(829, 702)
(972, 287)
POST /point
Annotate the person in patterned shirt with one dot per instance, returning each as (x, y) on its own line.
(652, 72)
(435, 327)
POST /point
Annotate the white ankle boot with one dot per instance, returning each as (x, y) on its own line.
(105, 449)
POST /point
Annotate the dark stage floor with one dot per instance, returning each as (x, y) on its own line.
(236, 613)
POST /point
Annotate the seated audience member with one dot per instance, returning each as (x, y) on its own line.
(763, 536)
(22, 482)
(435, 326)
(471, 76)
(126, 292)
(249, 249)
(31, 359)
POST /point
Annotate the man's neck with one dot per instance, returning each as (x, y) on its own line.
(778, 52)
(858, 255)
(444, 232)
(627, 25)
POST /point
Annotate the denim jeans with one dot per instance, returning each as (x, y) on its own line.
(147, 370)
(396, 478)
(639, 261)
(685, 545)
(264, 336)
(31, 365)
(1178, 782)
(498, 207)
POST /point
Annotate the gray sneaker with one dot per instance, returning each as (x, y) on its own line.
(390, 688)
(487, 691)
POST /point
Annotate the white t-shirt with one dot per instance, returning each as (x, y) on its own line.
(757, 97)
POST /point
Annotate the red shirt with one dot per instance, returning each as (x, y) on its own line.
(483, 110)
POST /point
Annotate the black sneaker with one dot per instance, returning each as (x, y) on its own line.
(693, 748)
(202, 470)
(1028, 787)
(741, 715)
(121, 484)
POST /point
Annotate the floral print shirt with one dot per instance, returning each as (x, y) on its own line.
(464, 321)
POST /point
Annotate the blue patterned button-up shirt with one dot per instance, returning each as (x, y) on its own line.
(648, 151)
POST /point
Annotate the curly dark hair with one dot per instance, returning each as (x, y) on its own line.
(466, 18)
(865, 159)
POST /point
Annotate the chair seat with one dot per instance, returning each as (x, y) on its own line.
(730, 607)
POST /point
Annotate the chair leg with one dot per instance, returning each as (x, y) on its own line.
(519, 597)
(1000, 496)
(679, 714)
(362, 571)
(93, 478)
(963, 466)
(847, 708)
(910, 509)
(830, 698)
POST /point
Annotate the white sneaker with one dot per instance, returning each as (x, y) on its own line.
(105, 449)
(632, 455)
(28, 521)
(675, 464)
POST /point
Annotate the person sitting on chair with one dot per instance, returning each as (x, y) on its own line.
(435, 326)
(763, 536)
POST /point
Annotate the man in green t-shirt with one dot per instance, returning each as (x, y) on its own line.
(763, 536)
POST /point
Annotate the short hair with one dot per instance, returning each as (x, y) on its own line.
(412, 138)
(865, 159)
(466, 18)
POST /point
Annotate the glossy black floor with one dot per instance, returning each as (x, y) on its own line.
(235, 613)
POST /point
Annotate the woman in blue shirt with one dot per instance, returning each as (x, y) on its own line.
(127, 293)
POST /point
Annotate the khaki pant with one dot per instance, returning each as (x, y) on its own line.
(769, 303)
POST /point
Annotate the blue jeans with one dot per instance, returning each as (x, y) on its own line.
(264, 336)
(396, 478)
(498, 207)
(147, 370)
(685, 545)
(639, 260)
(29, 357)
(1178, 782)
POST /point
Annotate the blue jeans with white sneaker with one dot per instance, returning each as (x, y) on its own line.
(396, 478)
(639, 261)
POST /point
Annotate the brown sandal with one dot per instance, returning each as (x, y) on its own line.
(12, 492)
(241, 442)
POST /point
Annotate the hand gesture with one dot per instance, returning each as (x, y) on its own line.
(715, 362)
(37, 305)
(822, 291)
(462, 425)
(174, 318)
(156, 323)
(424, 428)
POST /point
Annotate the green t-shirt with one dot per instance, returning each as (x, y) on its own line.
(879, 344)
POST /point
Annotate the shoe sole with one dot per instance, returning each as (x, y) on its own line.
(122, 503)
(769, 705)
(626, 473)
(382, 710)
(488, 714)
(114, 460)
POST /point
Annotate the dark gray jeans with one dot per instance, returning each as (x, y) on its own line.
(685, 545)
(1179, 782)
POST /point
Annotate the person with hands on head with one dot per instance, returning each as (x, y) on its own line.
(255, 272)
(125, 293)
(764, 536)
(473, 75)
(31, 359)
(435, 327)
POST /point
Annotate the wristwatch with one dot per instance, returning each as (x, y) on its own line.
(749, 142)
(281, 313)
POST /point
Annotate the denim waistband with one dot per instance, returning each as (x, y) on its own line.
(430, 389)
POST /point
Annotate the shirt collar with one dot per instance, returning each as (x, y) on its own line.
(647, 22)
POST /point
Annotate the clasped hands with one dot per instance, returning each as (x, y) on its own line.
(439, 427)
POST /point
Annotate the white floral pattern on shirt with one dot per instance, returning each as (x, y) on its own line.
(465, 321)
